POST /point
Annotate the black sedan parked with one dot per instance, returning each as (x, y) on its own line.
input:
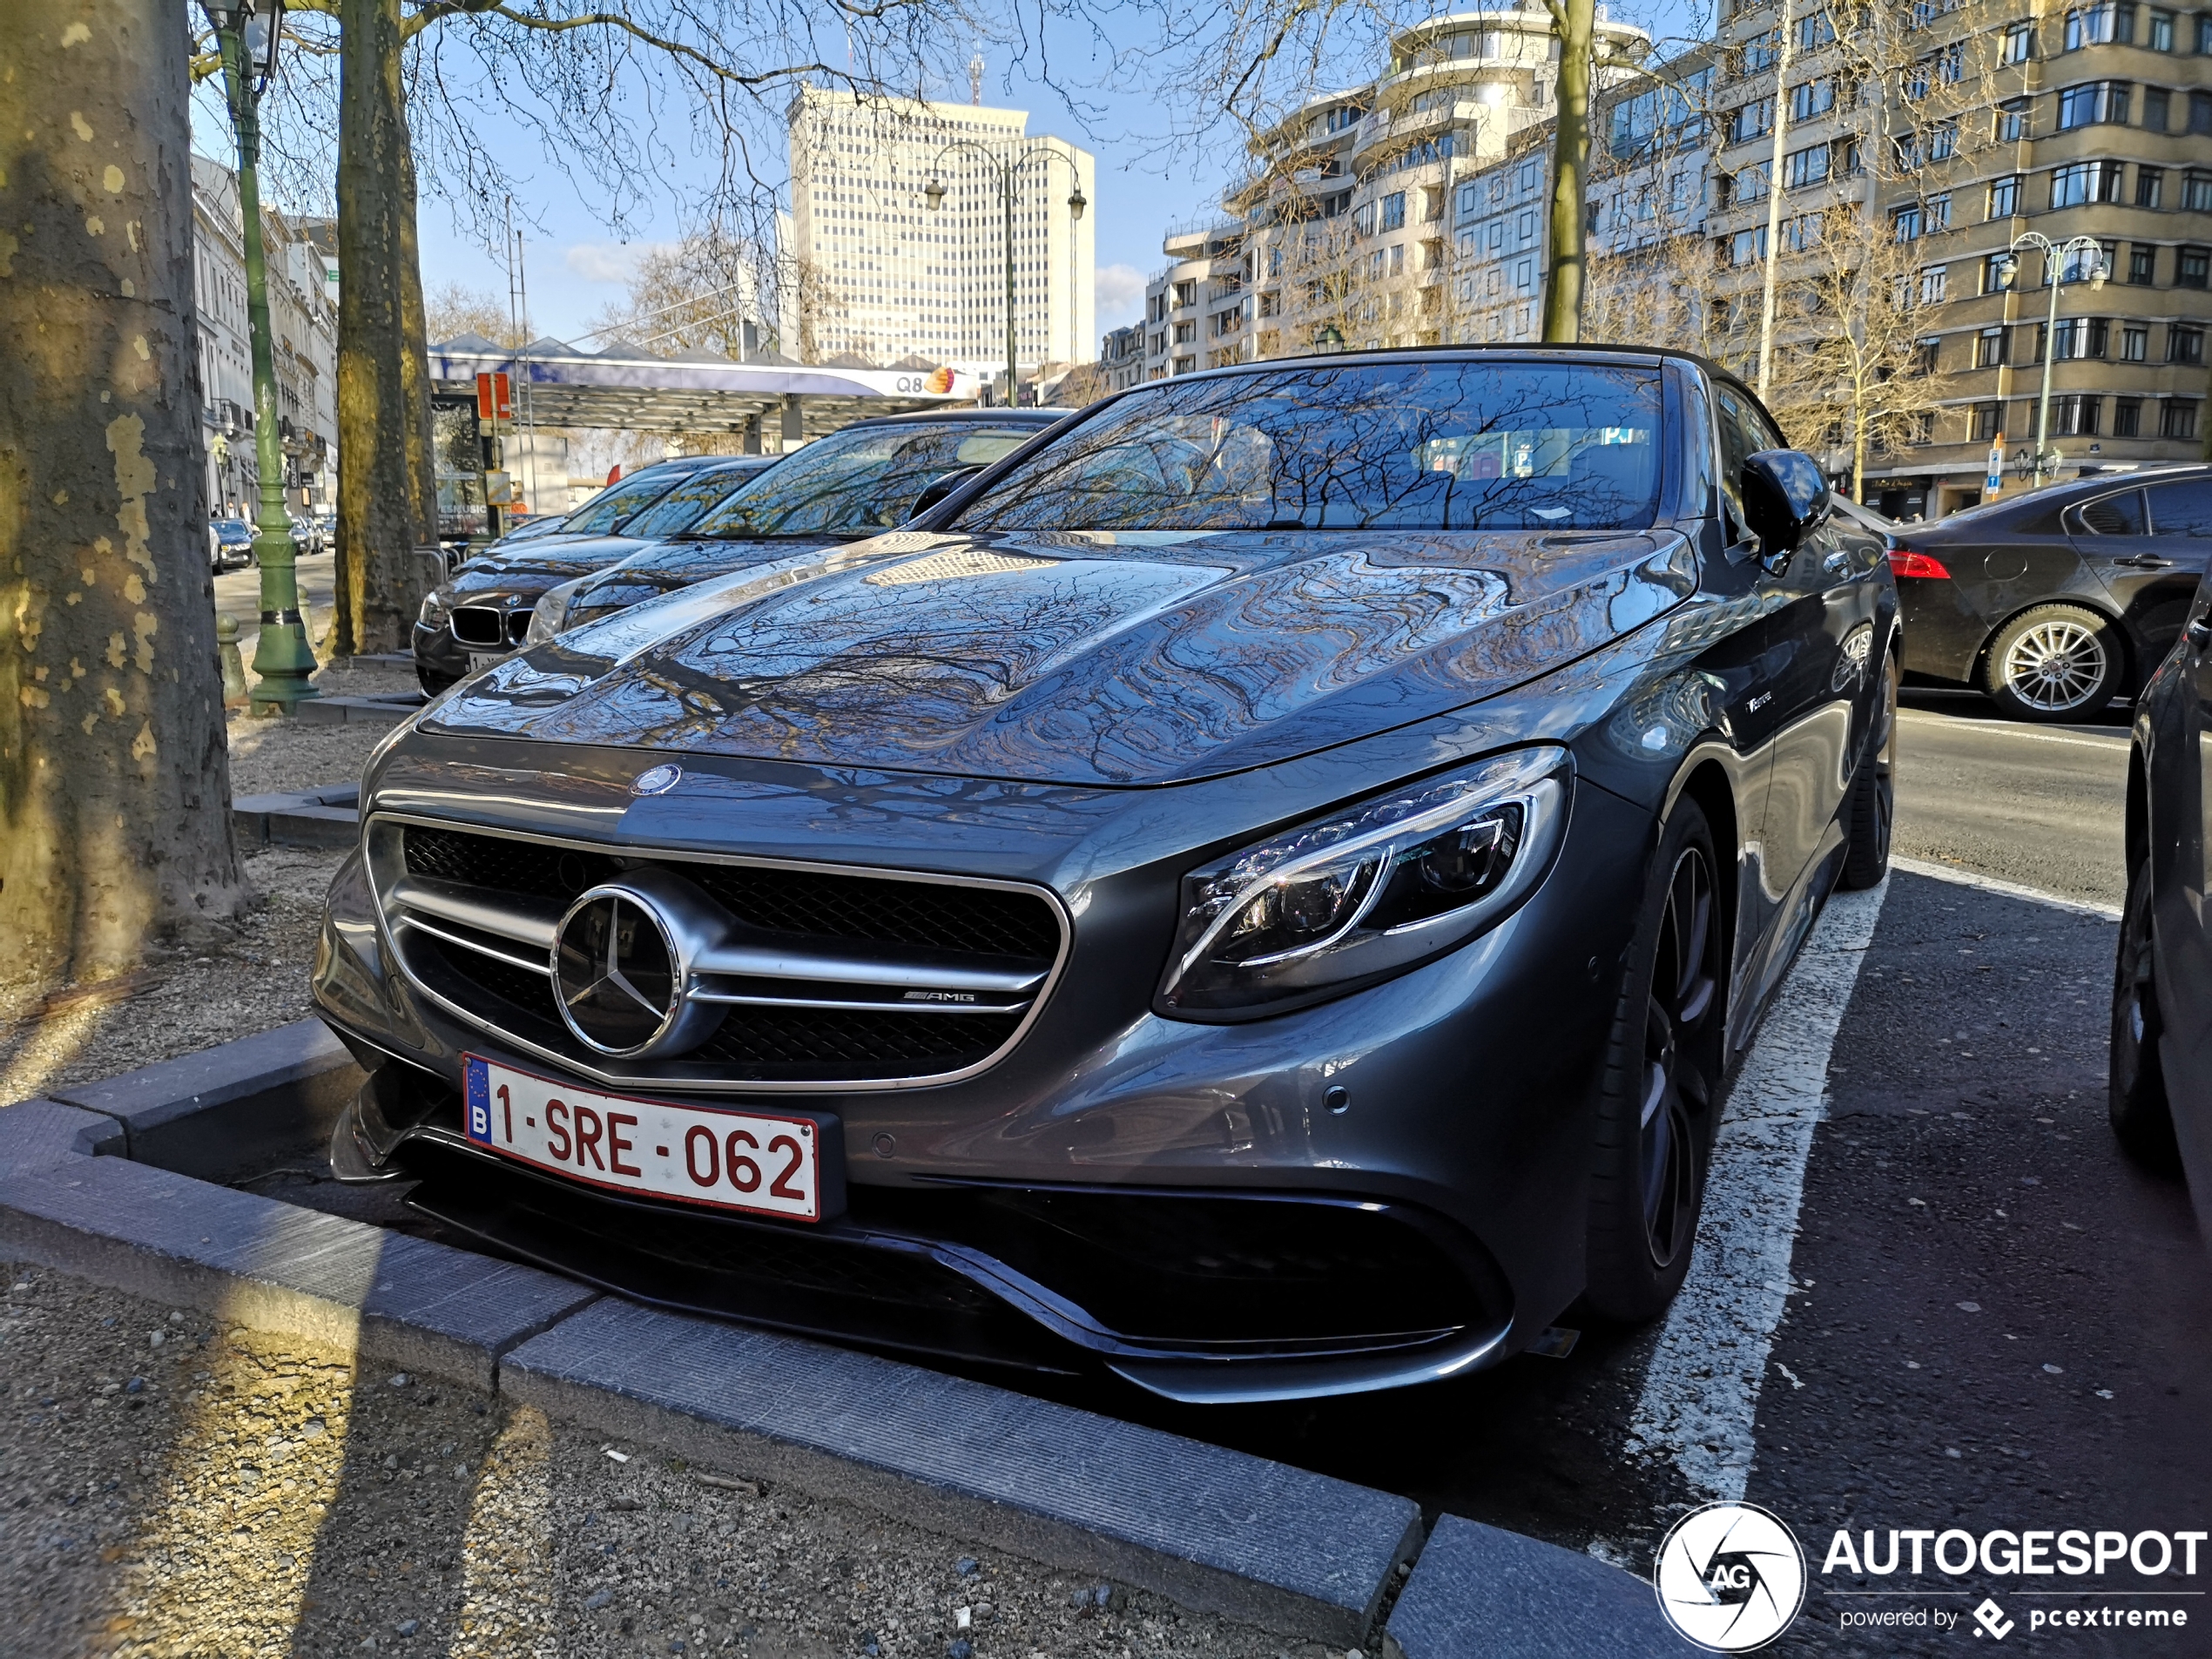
(603, 514)
(2162, 1004)
(2056, 602)
(1261, 887)
(857, 481)
(484, 612)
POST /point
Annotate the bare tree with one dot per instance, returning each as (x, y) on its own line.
(114, 789)
(452, 309)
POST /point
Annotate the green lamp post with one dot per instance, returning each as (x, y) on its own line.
(246, 33)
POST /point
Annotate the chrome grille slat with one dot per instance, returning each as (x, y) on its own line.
(815, 978)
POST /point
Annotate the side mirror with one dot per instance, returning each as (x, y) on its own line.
(1785, 497)
(938, 488)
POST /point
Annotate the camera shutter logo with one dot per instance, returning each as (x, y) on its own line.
(1731, 1577)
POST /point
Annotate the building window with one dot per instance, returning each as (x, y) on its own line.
(2204, 31)
(1804, 167)
(1393, 210)
(2020, 42)
(1991, 269)
(2142, 265)
(1749, 185)
(1760, 51)
(1934, 284)
(1186, 334)
(1748, 247)
(2193, 266)
(2184, 345)
(2177, 418)
(2012, 120)
(2083, 337)
(1924, 427)
(2097, 101)
(2158, 108)
(2004, 197)
(2134, 342)
(1814, 31)
(2160, 35)
(1810, 98)
(1753, 119)
(2126, 417)
(2074, 415)
(1908, 222)
(1470, 200)
(2085, 181)
(2197, 192)
(1989, 347)
(1524, 277)
(2200, 111)
(1186, 293)
(1988, 421)
(2096, 25)
(2150, 186)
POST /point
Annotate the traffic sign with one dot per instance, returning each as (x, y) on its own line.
(495, 398)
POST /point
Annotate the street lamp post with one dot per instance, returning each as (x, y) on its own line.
(2056, 257)
(245, 33)
(1008, 170)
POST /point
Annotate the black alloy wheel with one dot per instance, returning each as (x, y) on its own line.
(1656, 1115)
(2141, 1120)
(1873, 802)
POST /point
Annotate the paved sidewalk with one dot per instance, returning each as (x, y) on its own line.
(172, 1487)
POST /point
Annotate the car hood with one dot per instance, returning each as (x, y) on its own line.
(540, 565)
(1085, 658)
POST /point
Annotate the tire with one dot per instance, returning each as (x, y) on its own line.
(1662, 1069)
(2142, 1121)
(2054, 662)
(1873, 792)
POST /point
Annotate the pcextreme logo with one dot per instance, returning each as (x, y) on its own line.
(1731, 1577)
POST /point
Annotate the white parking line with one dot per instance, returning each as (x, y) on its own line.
(1701, 1390)
(2010, 889)
(1915, 716)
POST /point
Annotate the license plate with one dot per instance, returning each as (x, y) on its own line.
(480, 660)
(759, 1163)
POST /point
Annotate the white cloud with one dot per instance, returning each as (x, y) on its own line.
(610, 262)
(1120, 291)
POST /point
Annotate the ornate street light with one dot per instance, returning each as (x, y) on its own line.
(934, 193)
(246, 32)
(2057, 257)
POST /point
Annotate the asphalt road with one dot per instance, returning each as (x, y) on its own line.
(1930, 1293)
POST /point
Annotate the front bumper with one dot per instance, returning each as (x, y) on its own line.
(1384, 1189)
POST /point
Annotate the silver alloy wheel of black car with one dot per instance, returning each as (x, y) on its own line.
(2054, 662)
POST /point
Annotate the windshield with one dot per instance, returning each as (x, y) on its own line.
(859, 480)
(1418, 445)
(686, 504)
(232, 527)
(606, 510)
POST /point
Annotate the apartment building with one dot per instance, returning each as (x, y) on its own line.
(1953, 130)
(303, 327)
(886, 279)
(1121, 357)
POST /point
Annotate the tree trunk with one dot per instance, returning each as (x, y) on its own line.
(387, 496)
(114, 777)
(1575, 23)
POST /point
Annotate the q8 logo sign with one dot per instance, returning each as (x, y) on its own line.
(1731, 1577)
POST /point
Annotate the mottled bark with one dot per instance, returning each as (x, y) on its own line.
(1574, 26)
(114, 779)
(387, 489)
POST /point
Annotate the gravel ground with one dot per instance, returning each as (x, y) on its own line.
(246, 978)
(171, 1486)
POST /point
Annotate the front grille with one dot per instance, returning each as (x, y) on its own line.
(479, 626)
(818, 985)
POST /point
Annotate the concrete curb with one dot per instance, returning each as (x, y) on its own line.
(1478, 1589)
(1214, 1530)
(1217, 1530)
(315, 817)
(257, 1262)
(279, 1089)
(387, 708)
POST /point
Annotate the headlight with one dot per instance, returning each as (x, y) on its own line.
(1367, 891)
(552, 612)
(437, 607)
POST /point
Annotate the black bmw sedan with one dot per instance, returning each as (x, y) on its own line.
(1260, 889)
(857, 481)
(2058, 602)
(2161, 1004)
(483, 612)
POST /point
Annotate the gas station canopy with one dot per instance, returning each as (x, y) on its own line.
(628, 387)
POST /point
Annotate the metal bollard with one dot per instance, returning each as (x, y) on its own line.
(234, 694)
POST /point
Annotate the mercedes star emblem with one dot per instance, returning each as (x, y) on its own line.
(656, 780)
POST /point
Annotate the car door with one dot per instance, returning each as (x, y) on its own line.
(2180, 789)
(2111, 536)
(2161, 581)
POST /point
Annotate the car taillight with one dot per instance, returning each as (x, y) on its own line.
(1905, 562)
